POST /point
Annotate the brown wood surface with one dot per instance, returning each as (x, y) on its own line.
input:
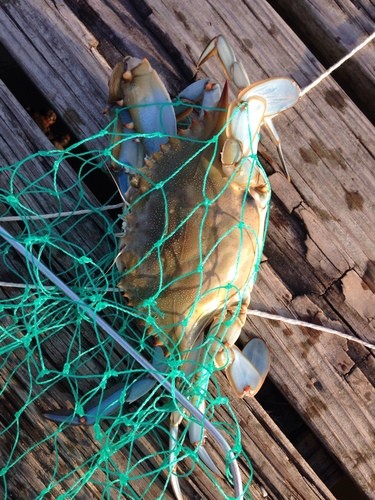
(331, 29)
(320, 250)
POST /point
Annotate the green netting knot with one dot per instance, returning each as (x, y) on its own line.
(200, 268)
(18, 413)
(108, 374)
(26, 341)
(102, 133)
(80, 409)
(40, 301)
(83, 259)
(12, 200)
(105, 454)
(220, 401)
(99, 435)
(102, 304)
(66, 369)
(150, 302)
(43, 372)
(37, 240)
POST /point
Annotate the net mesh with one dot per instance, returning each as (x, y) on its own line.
(53, 355)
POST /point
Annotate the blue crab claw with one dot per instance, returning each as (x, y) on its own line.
(233, 69)
(112, 399)
(135, 84)
(249, 368)
(279, 93)
(127, 151)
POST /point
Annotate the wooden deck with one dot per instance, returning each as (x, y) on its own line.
(310, 432)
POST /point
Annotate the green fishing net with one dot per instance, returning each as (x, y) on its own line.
(52, 355)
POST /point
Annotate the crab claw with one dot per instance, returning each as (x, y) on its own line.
(109, 402)
(140, 88)
(233, 69)
(255, 105)
(279, 93)
(127, 152)
(249, 368)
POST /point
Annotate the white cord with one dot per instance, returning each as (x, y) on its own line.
(293, 321)
(337, 65)
(13, 218)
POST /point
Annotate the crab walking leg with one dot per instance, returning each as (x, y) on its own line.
(276, 139)
(112, 399)
(197, 436)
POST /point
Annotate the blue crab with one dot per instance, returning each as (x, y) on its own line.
(195, 220)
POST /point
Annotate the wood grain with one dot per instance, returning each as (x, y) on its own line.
(320, 248)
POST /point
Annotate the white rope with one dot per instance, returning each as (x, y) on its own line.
(297, 322)
(13, 218)
(337, 65)
(9, 284)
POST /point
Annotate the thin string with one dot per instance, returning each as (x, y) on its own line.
(14, 218)
(312, 326)
(337, 65)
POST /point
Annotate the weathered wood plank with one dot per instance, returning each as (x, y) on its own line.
(331, 29)
(59, 60)
(321, 224)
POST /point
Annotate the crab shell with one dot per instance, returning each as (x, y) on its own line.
(193, 240)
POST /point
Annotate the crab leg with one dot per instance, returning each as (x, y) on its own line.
(196, 431)
(276, 140)
(254, 105)
(235, 71)
(112, 399)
